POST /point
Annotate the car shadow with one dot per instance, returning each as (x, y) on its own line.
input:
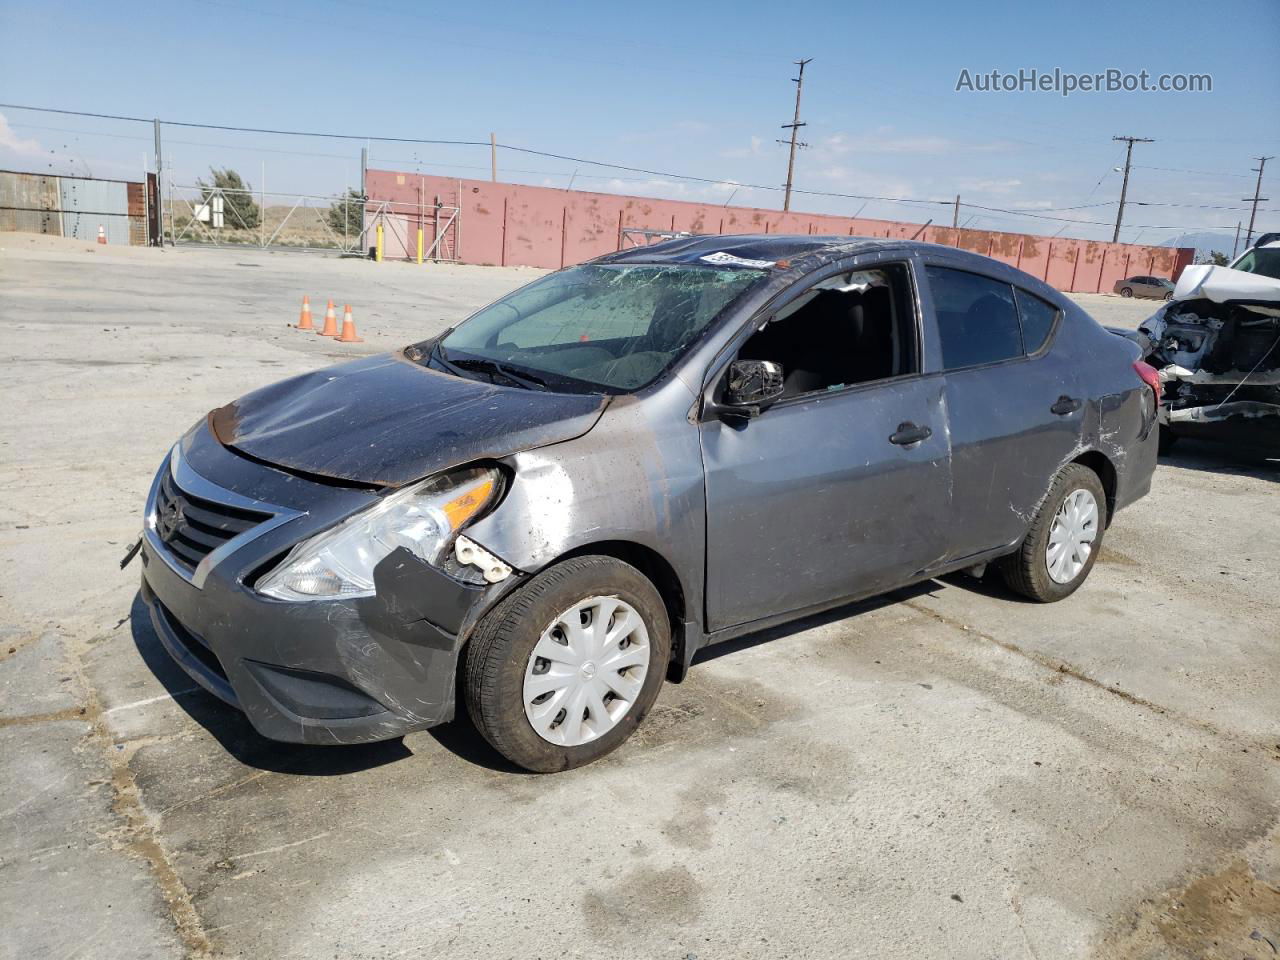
(236, 735)
(461, 738)
(843, 612)
(232, 729)
(1209, 457)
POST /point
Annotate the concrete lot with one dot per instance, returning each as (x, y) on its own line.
(945, 772)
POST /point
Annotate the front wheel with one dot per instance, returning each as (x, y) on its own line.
(562, 671)
(1060, 548)
(1126, 292)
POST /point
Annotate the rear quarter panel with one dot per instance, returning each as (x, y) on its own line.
(1121, 423)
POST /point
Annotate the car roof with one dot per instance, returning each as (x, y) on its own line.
(766, 247)
(796, 255)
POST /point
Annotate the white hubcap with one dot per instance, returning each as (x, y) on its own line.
(1071, 536)
(586, 671)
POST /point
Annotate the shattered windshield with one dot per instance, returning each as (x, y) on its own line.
(1264, 261)
(611, 327)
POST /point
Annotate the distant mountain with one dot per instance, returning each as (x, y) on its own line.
(1205, 242)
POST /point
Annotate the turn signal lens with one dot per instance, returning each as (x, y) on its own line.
(468, 503)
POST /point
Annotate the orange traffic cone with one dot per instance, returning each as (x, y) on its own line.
(102, 234)
(304, 321)
(349, 328)
(330, 322)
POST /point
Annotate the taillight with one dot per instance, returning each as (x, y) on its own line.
(1150, 376)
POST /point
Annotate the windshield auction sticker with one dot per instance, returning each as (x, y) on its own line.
(728, 259)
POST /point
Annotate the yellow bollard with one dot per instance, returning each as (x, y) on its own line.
(377, 250)
(419, 244)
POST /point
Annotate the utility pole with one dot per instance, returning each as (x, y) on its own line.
(1235, 244)
(493, 157)
(955, 214)
(159, 185)
(1256, 199)
(1124, 187)
(794, 126)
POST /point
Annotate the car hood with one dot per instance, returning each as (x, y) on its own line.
(387, 421)
(1224, 285)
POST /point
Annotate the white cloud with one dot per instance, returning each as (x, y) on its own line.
(844, 179)
(886, 140)
(11, 142)
(998, 187)
(738, 153)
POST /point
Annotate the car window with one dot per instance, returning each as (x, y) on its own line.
(977, 319)
(609, 326)
(852, 328)
(1261, 260)
(1037, 317)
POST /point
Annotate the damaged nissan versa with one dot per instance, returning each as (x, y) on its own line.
(549, 509)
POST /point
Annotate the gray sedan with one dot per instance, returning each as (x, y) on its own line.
(1152, 288)
(553, 507)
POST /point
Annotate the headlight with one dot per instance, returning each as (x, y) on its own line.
(423, 518)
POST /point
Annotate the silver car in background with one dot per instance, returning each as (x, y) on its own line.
(1151, 288)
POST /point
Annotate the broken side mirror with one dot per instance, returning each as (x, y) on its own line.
(752, 385)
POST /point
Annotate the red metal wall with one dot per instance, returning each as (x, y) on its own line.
(514, 225)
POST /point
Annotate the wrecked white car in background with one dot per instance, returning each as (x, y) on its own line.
(1216, 344)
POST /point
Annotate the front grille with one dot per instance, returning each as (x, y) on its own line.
(192, 527)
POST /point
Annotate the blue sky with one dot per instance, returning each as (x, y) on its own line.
(691, 88)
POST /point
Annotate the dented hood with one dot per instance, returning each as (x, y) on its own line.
(387, 421)
(1224, 285)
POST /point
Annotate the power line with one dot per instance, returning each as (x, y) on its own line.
(1207, 173)
(1032, 213)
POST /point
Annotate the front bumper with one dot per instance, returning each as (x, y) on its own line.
(321, 672)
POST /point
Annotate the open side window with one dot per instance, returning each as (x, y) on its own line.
(855, 327)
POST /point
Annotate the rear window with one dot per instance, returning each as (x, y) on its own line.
(1038, 317)
(977, 319)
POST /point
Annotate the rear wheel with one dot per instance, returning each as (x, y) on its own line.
(561, 672)
(1126, 292)
(1060, 548)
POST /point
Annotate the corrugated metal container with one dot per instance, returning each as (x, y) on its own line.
(89, 204)
(29, 203)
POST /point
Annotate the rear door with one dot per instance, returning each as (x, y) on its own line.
(826, 494)
(1013, 404)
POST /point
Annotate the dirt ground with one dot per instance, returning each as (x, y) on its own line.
(944, 772)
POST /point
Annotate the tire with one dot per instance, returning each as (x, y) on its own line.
(1165, 441)
(500, 658)
(1169, 295)
(1126, 292)
(1027, 571)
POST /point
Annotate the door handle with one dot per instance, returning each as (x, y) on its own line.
(908, 433)
(1065, 405)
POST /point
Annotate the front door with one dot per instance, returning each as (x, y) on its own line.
(842, 487)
